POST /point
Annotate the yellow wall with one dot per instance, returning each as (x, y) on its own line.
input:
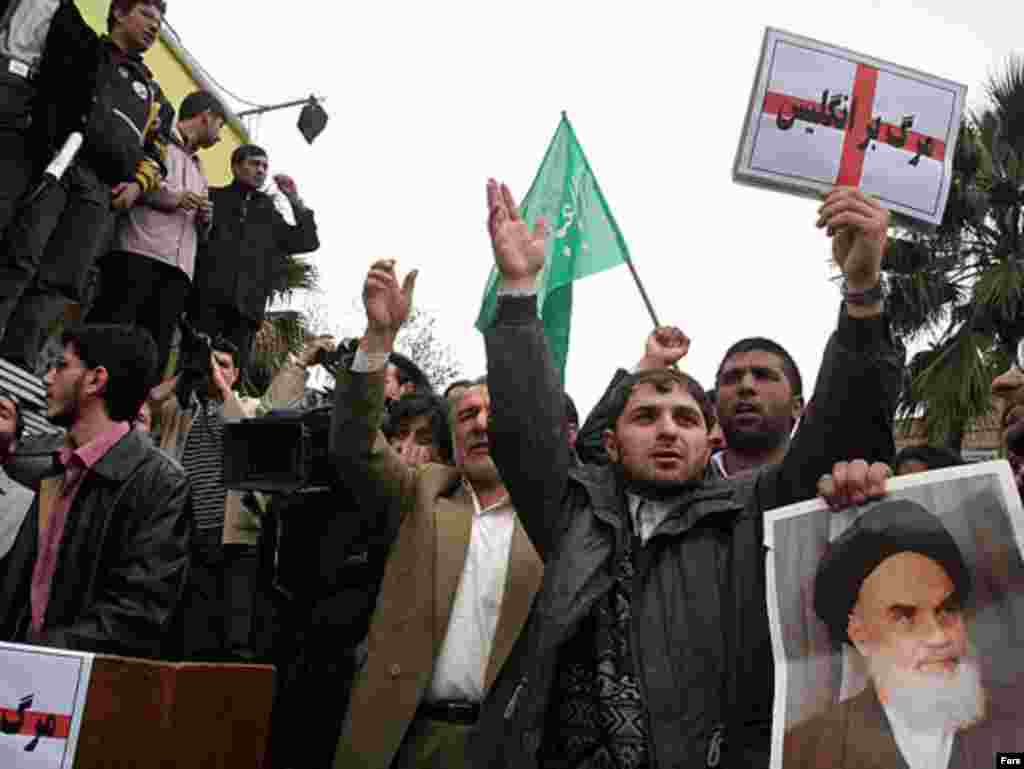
(177, 82)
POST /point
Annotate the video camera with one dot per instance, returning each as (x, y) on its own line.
(286, 450)
(282, 452)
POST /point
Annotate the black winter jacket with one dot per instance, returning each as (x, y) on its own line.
(700, 639)
(87, 84)
(246, 254)
(122, 562)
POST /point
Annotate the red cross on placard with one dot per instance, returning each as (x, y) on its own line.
(31, 722)
(856, 141)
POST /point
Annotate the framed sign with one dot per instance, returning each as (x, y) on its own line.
(42, 699)
(822, 116)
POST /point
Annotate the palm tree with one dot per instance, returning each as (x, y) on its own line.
(282, 332)
(963, 284)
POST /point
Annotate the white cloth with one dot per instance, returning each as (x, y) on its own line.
(921, 750)
(646, 514)
(460, 667)
(718, 460)
(25, 36)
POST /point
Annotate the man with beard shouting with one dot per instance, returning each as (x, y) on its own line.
(895, 586)
(759, 400)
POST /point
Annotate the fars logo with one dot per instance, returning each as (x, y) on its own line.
(141, 90)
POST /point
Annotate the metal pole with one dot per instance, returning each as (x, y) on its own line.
(283, 105)
(643, 292)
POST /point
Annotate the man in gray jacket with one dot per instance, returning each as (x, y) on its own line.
(652, 611)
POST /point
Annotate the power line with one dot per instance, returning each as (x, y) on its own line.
(207, 72)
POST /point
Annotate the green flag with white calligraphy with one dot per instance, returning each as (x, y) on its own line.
(584, 237)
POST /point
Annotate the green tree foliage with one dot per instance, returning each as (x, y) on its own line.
(960, 287)
(419, 342)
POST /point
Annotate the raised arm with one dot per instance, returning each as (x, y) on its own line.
(527, 427)
(850, 414)
(364, 461)
(301, 237)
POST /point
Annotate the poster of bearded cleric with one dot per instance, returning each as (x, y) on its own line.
(898, 625)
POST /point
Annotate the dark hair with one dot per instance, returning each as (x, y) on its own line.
(410, 372)
(932, 457)
(223, 344)
(762, 344)
(245, 152)
(19, 418)
(663, 380)
(198, 102)
(456, 383)
(417, 404)
(127, 6)
(129, 355)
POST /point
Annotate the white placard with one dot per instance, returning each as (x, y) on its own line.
(817, 680)
(42, 699)
(822, 116)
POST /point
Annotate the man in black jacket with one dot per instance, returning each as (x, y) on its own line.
(247, 253)
(99, 563)
(99, 87)
(652, 614)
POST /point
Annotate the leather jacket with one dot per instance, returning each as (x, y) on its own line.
(123, 557)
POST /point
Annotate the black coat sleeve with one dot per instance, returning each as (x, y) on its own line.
(529, 442)
(298, 238)
(850, 415)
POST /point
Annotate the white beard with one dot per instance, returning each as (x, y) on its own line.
(930, 702)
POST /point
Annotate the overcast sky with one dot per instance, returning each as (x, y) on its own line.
(429, 99)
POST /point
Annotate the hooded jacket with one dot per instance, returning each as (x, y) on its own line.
(87, 84)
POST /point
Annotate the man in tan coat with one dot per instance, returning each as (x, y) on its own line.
(461, 573)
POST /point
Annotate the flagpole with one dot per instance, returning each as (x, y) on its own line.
(643, 292)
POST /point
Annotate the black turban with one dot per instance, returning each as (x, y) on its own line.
(892, 526)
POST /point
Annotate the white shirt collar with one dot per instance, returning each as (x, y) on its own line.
(647, 519)
(491, 508)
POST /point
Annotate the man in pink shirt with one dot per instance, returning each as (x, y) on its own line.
(147, 276)
(99, 563)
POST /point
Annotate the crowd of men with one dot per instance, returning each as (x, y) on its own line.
(482, 581)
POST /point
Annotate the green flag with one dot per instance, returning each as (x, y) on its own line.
(584, 237)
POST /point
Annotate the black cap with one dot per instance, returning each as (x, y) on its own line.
(890, 527)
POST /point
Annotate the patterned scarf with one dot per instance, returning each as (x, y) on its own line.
(597, 718)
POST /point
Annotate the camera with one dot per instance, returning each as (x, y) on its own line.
(281, 452)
